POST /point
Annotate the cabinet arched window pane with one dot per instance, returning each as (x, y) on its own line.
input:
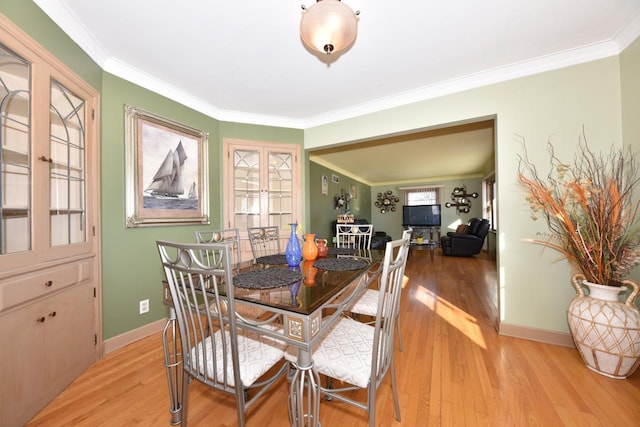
(15, 140)
(280, 189)
(246, 191)
(67, 167)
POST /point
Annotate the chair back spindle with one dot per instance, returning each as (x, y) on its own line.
(264, 241)
(356, 236)
(226, 235)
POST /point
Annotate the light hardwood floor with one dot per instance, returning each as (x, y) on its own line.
(455, 370)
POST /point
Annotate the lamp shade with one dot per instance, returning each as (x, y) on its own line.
(328, 26)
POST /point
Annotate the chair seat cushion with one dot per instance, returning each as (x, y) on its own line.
(367, 304)
(256, 354)
(344, 353)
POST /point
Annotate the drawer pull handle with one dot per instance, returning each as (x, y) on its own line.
(41, 319)
(48, 283)
(52, 314)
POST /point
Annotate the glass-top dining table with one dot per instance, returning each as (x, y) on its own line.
(298, 312)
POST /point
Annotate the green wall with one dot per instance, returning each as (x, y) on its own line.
(391, 222)
(534, 289)
(323, 212)
(630, 82)
(630, 78)
(131, 269)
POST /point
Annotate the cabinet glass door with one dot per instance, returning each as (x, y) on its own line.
(15, 142)
(246, 188)
(262, 188)
(280, 189)
(67, 167)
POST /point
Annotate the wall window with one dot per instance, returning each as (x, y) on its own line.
(421, 196)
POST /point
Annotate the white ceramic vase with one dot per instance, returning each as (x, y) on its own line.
(605, 330)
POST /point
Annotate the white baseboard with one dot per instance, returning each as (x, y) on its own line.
(533, 334)
(539, 335)
(134, 335)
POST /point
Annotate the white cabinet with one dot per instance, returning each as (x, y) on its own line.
(49, 226)
(262, 187)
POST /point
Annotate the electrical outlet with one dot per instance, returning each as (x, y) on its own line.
(144, 306)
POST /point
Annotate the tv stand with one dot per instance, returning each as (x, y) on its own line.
(428, 233)
(430, 239)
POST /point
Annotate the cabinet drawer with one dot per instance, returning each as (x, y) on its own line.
(23, 288)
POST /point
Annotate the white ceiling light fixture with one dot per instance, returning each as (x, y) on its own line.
(328, 26)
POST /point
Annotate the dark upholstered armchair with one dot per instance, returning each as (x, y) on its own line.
(468, 242)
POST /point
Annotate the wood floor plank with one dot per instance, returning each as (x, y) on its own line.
(455, 370)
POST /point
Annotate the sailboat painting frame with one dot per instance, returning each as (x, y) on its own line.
(166, 176)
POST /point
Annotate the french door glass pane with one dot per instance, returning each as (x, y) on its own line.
(15, 164)
(67, 167)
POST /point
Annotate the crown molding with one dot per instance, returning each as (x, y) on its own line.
(422, 182)
(74, 28)
(338, 170)
(628, 33)
(411, 182)
(150, 82)
(472, 81)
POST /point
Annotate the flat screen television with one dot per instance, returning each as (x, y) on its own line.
(421, 216)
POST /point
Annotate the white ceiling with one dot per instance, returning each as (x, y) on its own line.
(244, 61)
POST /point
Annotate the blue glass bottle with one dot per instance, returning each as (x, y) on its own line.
(293, 252)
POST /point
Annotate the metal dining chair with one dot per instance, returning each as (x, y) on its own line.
(356, 236)
(367, 304)
(231, 236)
(359, 354)
(264, 241)
(215, 351)
(226, 235)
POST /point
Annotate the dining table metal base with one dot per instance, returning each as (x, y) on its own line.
(304, 410)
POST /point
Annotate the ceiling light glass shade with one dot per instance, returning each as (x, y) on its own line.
(328, 26)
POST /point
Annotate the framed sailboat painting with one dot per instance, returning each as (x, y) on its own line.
(166, 171)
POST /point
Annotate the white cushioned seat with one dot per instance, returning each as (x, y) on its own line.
(256, 355)
(367, 304)
(344, 353)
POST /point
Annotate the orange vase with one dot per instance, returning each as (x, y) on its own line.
(310, 249)
(323, 250)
